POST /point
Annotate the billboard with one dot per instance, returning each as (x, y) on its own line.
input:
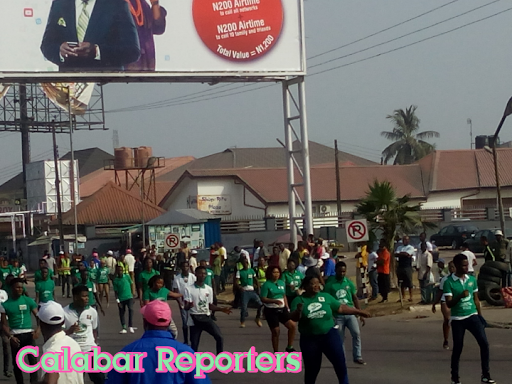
(150, 39)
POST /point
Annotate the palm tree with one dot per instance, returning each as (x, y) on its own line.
(409, 145)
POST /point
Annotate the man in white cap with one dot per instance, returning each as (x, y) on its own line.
(500, 246)
(51, 319)
(193, 260)
(111, 265)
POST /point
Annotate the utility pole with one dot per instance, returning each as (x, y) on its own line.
(72, 171)
(25, 136)
(57, 187)
(470, 123)
(338, 190)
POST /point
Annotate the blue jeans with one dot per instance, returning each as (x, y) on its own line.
(476, 327)
(372, 276)
(350, 322)
(248, 296)
(330, 345)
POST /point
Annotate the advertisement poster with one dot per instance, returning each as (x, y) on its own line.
(147, 38)
(192, 234)
(215, 205)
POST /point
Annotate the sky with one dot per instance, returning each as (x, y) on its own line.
(459, 75)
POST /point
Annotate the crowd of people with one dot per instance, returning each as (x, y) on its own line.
(304, 289)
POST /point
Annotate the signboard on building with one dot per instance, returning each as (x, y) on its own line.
(214, 204)
(196, 38)
(357, 230)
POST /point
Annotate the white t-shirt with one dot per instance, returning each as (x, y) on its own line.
(50, 261)
(3, 296)
(372, 261)
(245, 254)
(55, 344)
(471, 257)
(87, 321)
(407, 249)
(192, 263)
(180, 283)
(129, 259)
(202, 297)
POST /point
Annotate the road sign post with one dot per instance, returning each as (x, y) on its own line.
(172, 241)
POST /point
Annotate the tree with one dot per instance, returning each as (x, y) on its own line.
(409, 144)
(386, 213)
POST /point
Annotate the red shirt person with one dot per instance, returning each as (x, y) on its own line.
(383, 270)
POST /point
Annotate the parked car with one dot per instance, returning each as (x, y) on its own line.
(474, 241)
(453, 235)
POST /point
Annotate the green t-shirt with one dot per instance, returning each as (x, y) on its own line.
(162, 294)
(144, 279)
(217, 266)
(246, 277)
(317, 313)
(38, 275)
(102, 276)
(93, 274)
(341, 290)
(453, 286)
(19, 311)
(4, 272)
(271, 290)
(209, 277)
(16, 272)
(296, 278)
(123, 287)
(45, 289)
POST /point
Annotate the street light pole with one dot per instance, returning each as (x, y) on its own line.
(508, 112)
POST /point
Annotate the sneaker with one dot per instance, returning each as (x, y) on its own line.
(123, 331)
(487, 379)
(7, 374)
(132, 330)
(290, 349)
(242, 325)
(336, 326)
(360, 362)
(258, 323)
(383, 301)
(456, 381)
(446, 346)
(63, 296)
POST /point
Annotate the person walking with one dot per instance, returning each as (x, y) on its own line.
(157, 291)
(247, 284)
(292, 280)
(198, 300)
(81, 324)
(405, 255)
(102, 279)
(124, 298)
(277, 308)
(65, 274)
(373, 275)
(51, 319)
(284, 255)
(156, 317)
(343, 289)
(129, 260)
(440, 298)
(45, 288)
(472, 263)
(144, 277)
(179, 285)
(5, 339)
(17, 323)
(461, 293)
(314, 311)
(329, 266)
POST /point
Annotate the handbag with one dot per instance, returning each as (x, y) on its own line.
(507, 296)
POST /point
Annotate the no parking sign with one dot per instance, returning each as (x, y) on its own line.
(357, 230)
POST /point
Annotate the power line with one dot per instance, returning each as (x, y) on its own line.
(381, 31)
(406, 35)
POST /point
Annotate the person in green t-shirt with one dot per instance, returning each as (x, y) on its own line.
(17, 271)
(292, 280)
(157, 291)
(38, 274)
(314, 311)
(102, 281)
(17, 326)
(45, 288)
(461, 294)
(5, 269)
(277, 308)
(122, 284)
(143, 279)
(247, 283)
(76, 271)
(94, 300)
(343, 289)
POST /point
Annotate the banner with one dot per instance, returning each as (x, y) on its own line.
(81, 94)
(144, 39)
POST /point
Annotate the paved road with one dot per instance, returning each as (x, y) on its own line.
(399, 349)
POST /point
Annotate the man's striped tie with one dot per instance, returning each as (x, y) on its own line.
(83, 21)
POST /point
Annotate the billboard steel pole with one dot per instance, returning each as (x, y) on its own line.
(72, 170)
(308, 220)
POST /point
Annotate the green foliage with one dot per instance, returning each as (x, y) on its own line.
(409, 145)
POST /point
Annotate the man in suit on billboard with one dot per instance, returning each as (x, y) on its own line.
(93, 35)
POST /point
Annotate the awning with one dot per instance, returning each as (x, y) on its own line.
(48, 239)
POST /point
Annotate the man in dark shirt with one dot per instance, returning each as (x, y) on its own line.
(405, 254)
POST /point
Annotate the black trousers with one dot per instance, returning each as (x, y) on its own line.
(476, 327)
(5, 351)
(122, 311)
(65, 280)
(209, 327)
(384, 285)
(25, 339)
(97, 377)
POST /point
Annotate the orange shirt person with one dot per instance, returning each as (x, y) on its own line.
(383, 270)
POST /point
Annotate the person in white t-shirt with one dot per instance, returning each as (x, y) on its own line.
(180, 283)
(193, 260)
(51, 319)
(199, 303)
(5, 340)
(81, 324)
(472, 263)
(373, 274)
